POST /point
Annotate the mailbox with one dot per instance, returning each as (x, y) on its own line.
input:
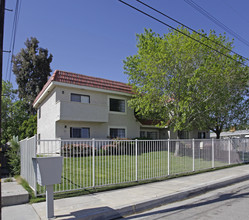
(49, 170)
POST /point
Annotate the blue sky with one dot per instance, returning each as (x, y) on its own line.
(93, 37)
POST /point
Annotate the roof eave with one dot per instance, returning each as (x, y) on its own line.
(44, 94)
(91, 88)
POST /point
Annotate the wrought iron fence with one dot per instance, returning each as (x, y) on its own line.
(96, 163)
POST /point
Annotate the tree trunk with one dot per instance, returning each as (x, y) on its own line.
(217, 135)
(177, 147)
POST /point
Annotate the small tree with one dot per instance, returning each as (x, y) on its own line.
(32, 69)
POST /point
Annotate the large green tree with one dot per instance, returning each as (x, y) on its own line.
(184, 82)
(31, 67)
(28, 128)
(14, 112)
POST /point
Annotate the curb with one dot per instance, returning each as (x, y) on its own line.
(150, 204)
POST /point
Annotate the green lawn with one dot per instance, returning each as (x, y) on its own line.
(112, 169)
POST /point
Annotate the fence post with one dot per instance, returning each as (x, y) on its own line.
(193, 146)
(35, 155)
(136, 158)
(244, 152)
(229, 151)
(168, 160)
(212, 153)
(93, 165)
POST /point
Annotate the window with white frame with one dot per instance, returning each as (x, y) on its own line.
(79, 132)
(117, 132)
(117, 105)
(80, 98)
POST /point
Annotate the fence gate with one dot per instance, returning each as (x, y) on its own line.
(28, 151)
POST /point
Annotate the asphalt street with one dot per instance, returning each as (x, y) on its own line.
(228, 203)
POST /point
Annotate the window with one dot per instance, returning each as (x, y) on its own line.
(152, 135)
(201, 135)
(142, 134)
(117, 132)
(79, 132)
(80, 98)
(149, 134)
(39, 138)
(117, 105)
(183, 134)
(39, 112)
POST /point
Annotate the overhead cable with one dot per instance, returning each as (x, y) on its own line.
(181, 32)
(216, 21)
(203, 35)
(13, 40)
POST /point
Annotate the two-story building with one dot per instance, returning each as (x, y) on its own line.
(73, 106)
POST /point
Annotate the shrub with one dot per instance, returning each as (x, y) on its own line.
(13, 154)
(109, 149)
(77, 149)
(119, 146)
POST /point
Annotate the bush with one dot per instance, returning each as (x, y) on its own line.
(77, 149)
(13, 154)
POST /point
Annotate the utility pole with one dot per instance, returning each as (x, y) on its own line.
(2, 10)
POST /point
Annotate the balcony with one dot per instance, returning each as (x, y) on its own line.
(74, 111)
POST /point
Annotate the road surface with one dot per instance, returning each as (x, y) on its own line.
(229, 203)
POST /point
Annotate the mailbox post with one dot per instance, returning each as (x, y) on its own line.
(48, 172)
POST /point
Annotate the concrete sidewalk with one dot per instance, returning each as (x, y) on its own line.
(117, 203)
(13, 193)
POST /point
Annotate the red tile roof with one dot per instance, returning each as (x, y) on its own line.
(89, 81)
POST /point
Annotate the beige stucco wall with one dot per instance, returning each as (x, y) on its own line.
(96, 115)
(49, 112)
(97, 130)
(98, 98)
(58, 114)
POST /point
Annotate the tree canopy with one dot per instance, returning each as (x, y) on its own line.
(184, 82)
(28, 128)
(31, 67)
(13, 112)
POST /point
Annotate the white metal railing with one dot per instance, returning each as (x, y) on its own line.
(96, 163)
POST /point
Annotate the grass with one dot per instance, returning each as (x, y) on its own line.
(121, 169)
(81, 192)
(26, 186)
(9, 179)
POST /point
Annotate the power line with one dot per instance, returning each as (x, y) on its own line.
(181, 32)
(13, 39)
(216, 21)
(203, 35)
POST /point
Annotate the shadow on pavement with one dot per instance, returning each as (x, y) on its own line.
(94, 213)
(220, 198)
